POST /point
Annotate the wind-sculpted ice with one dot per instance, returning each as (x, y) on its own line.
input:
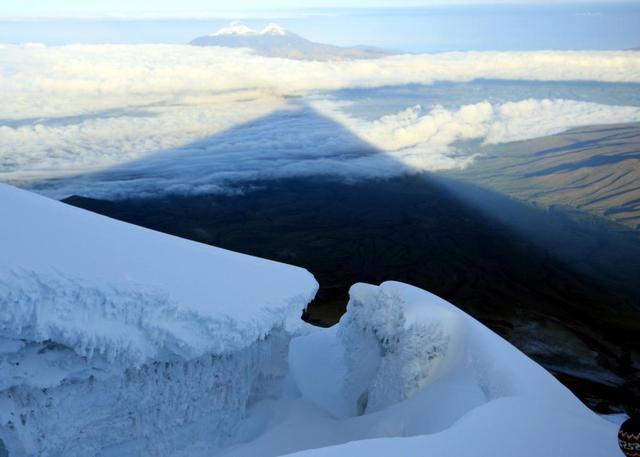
(117, 340)
(401, 357)
(56, 402)
(409, 365)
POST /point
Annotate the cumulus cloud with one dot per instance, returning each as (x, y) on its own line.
(537, 118)
(491, 123)
(161, 118)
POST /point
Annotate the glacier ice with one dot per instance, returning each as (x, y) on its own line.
(410, 365)
(117, 340)
(120, 341)
(98, 408)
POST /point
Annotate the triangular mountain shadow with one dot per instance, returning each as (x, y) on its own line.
(411, 228)
(295, 141)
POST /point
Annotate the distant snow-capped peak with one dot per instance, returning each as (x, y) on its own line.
(239, 29)
(236, 28)
(274, 29)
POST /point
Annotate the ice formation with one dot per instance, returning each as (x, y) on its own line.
(120, 341)
(407, 364)
(117, 340)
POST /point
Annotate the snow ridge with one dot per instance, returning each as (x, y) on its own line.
(121, 341)
(102, 286)
(405, 353)
(419, 340)
(407, 373)
(117, 340)
(129, 323)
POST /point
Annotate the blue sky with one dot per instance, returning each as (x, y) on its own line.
(191, 8)
(419, 26)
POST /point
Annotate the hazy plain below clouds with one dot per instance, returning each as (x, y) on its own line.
(164, 118)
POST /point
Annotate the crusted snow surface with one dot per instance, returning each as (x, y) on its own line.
(120, 341)
(116, 340)
(102, 286)
(410, 374)
(404, 339)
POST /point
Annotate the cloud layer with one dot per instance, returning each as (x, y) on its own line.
(302, 139)
(55, 81)
(160, 118)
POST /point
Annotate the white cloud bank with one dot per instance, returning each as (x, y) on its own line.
(98, 140)
(320, 139)
(61, 80)
(192, 119)
(440, 128)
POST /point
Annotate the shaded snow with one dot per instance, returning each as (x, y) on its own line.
(412, 368)
(96, 284)
(120, 341)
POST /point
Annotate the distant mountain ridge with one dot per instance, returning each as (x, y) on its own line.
(275, 41)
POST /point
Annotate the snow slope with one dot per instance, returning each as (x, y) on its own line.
(115, 338)
(119, 341)
(406, 373)
(144, 294)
